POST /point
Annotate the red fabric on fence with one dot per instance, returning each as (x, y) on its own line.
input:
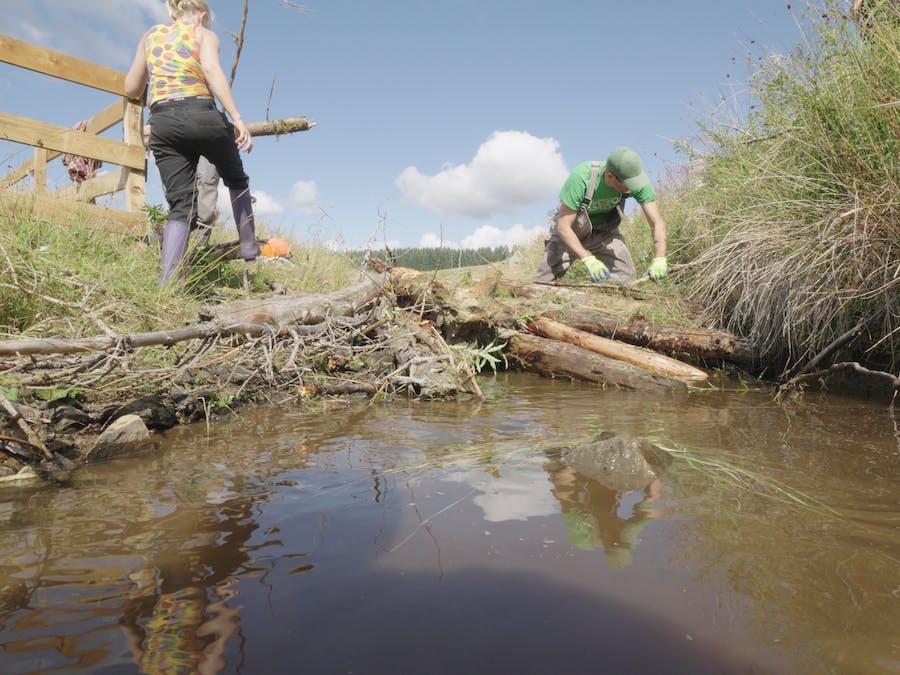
(80, 168)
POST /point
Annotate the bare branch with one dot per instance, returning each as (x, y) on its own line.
(239, 43)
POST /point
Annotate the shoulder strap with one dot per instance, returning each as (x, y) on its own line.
(592, 185)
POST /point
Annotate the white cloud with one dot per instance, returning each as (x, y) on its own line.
(509, 172)
(491, 237)
(486, 236)
(263, 204)
(305, 196)
(102, 31)
(434, 240)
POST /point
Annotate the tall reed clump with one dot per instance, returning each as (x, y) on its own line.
(796, 209)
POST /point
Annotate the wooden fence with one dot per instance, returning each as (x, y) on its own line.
(73, 205)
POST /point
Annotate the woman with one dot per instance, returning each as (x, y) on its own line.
(180, 60)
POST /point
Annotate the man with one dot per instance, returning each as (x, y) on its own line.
(586, 224)
(207, 196)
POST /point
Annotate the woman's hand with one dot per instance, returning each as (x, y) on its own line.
(242, 136)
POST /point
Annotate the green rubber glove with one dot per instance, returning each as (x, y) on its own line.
(658, 269)
(596, 270)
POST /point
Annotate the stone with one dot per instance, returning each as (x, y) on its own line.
(617, 461)
(127, 436)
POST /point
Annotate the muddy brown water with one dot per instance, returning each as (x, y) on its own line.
(446, 537)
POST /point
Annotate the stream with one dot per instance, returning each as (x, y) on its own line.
(345, 536)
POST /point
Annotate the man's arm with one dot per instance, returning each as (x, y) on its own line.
(657, 228)
(564, 222)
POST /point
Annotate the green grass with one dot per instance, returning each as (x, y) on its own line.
(81, 282)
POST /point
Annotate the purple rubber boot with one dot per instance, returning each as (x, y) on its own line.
(174, 244)
(242, 208)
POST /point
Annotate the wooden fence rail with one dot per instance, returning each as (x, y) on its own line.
(73, 205)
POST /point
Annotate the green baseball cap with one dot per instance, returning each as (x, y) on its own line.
(625, 165)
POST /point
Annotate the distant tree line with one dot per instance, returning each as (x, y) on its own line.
(427, 259)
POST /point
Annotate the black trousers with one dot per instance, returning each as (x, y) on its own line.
(181, 130)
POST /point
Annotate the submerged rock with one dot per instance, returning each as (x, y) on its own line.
(617, 461)
(126, 437)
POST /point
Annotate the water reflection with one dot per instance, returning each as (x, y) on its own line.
(591, 512)
(444, 538)
(181, 609)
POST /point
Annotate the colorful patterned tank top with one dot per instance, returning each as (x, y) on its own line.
(173, 62)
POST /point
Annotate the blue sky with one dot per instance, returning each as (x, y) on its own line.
(453, 121)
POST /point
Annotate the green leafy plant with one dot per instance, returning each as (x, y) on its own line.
(51, 394)
(156, 216)
(489, 355)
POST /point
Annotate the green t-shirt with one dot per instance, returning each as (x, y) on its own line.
(605, 198)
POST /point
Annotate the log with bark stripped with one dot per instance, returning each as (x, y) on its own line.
(636, 356)
(552, 358)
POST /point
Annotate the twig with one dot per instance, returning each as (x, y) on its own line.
(269, 97)
(892, 380)
(22, 441)
(836, 344)
(239, 43)
(674, 269)
(425, 522)
(33, 439)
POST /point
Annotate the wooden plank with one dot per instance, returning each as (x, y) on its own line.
(133, 133)
(72, 213)
(105, 184)
(40, 170)
(103, 120)
(62, 66)
(64, 139)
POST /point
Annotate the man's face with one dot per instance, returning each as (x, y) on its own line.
(613, 182)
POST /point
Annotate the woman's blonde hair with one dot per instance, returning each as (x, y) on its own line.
(178, 9)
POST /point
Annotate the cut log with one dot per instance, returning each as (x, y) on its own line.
(552, 358)
(711, 344)
(636, 356)
(288, 125)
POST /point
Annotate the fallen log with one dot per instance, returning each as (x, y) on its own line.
(552, 358)
(254, 317)
(636, 356)
(464, 312)
(306, 308)
(710, 344)
(159, 338)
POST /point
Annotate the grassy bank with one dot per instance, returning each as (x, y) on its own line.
(82, 282)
